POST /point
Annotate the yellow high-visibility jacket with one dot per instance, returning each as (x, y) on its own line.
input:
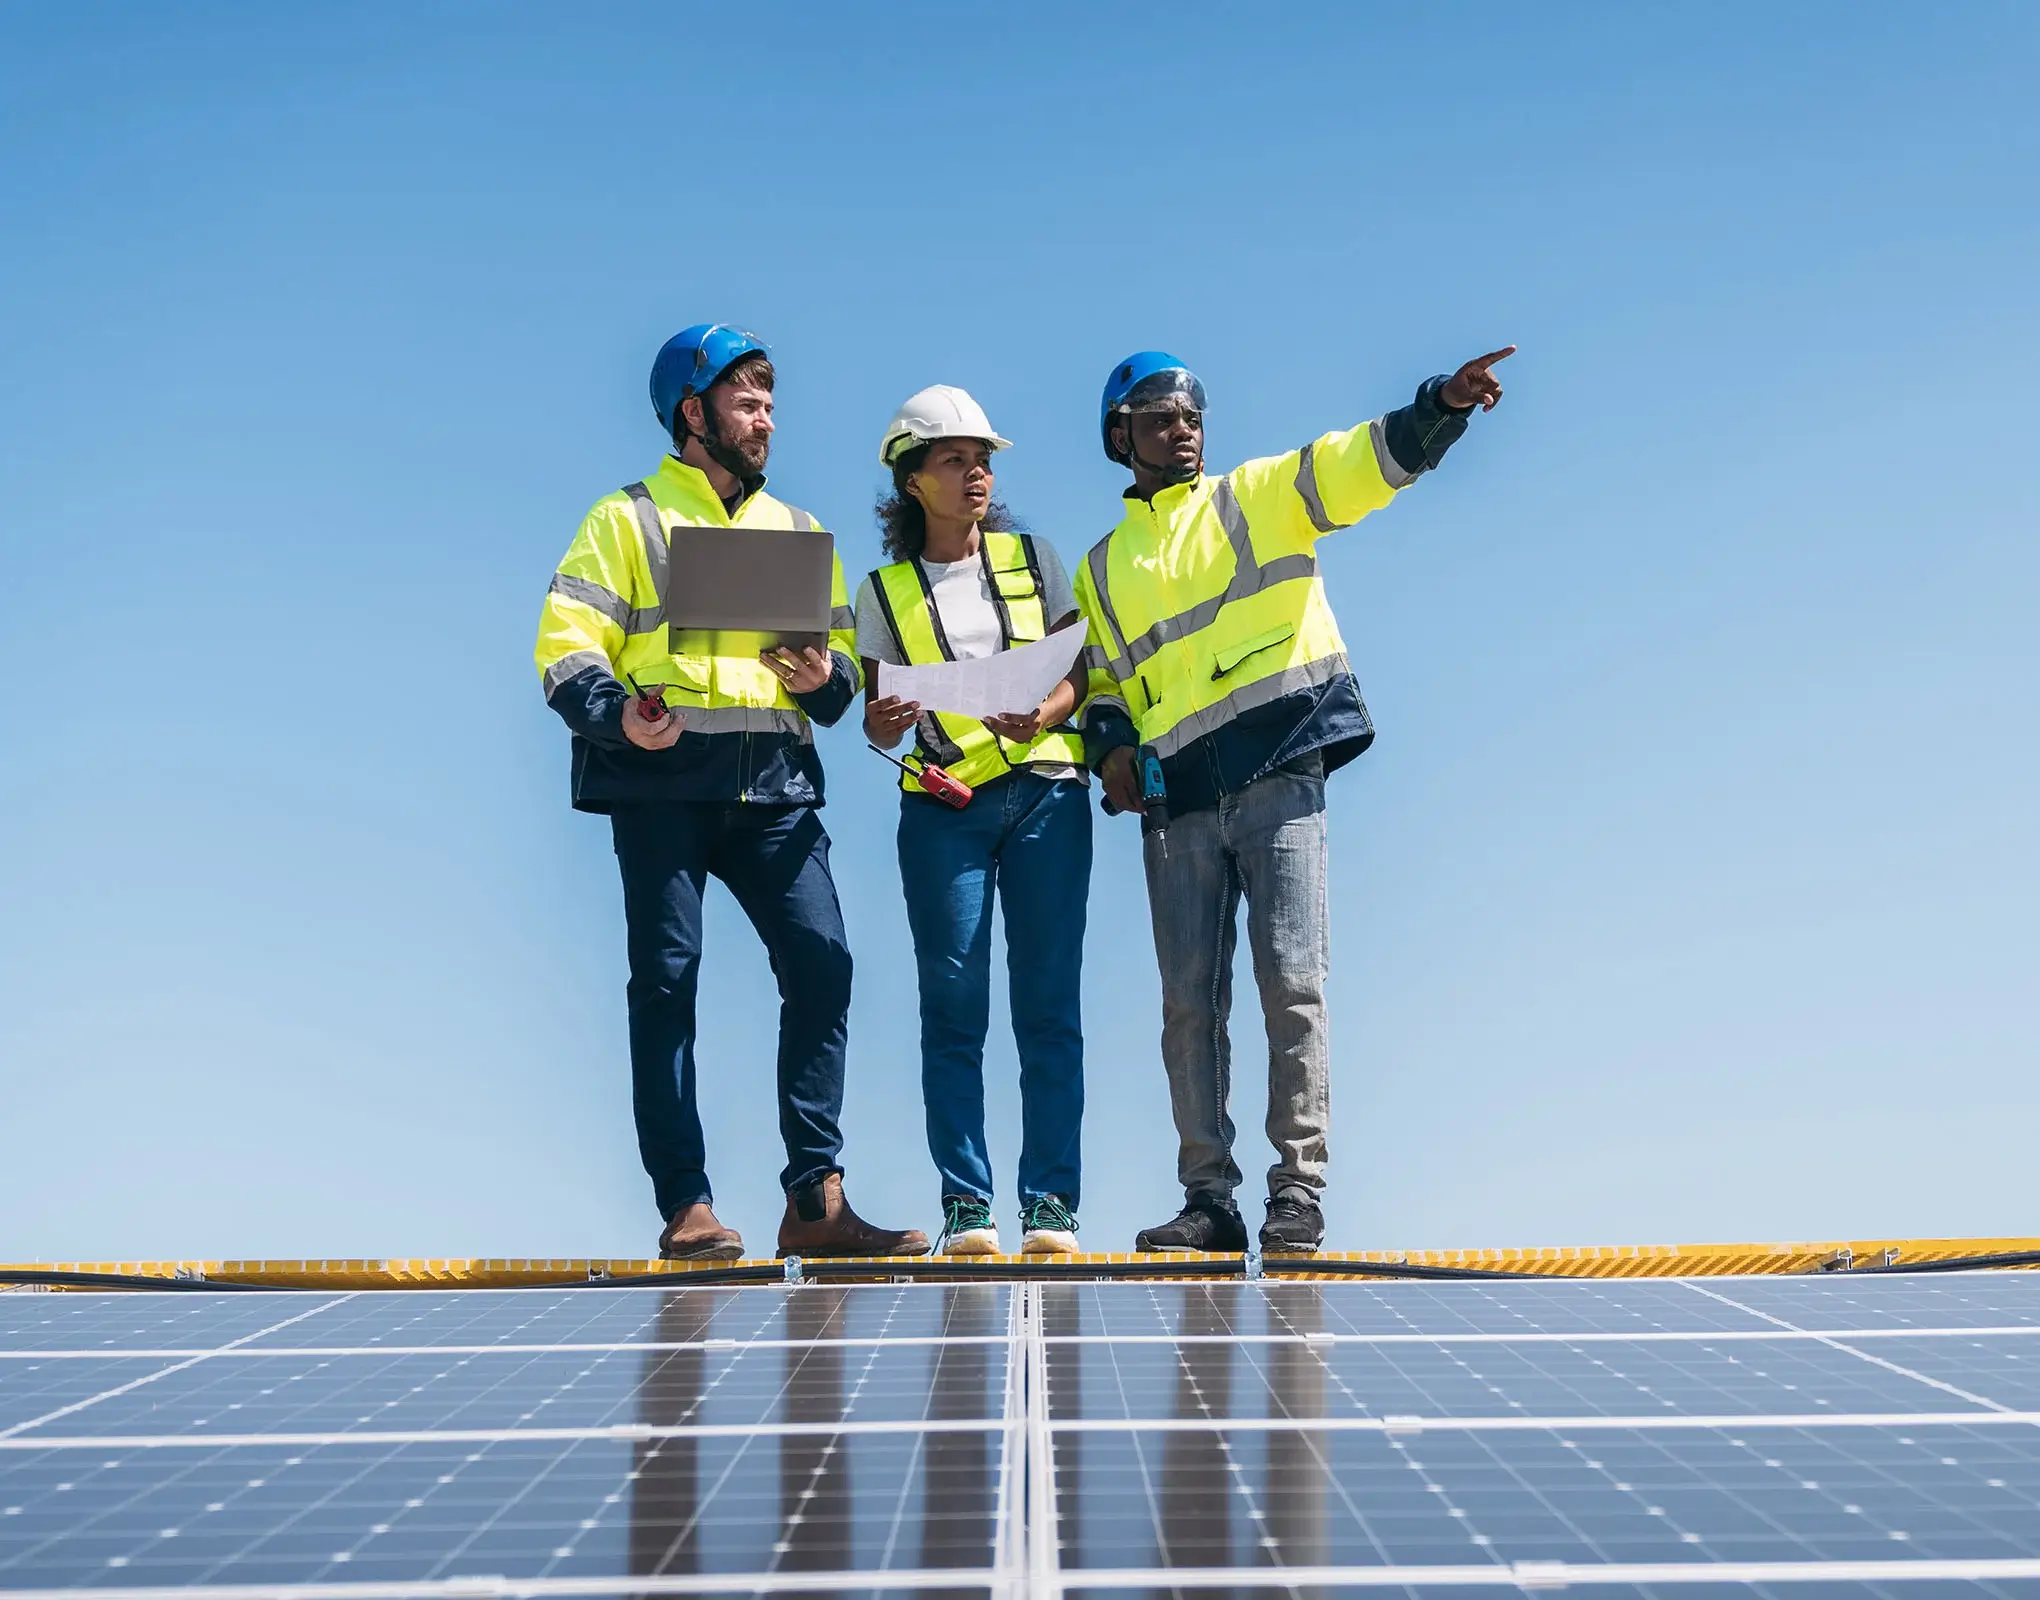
(1206, 604)
(604, 620)
(964, 746)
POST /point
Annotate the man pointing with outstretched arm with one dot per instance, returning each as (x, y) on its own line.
(1214, 656)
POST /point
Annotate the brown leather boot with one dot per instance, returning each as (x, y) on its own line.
(819, 1222)
(695, 1235)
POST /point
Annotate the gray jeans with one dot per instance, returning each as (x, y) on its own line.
(1267, 843)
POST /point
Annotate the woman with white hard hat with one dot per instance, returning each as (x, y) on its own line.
(965, 583)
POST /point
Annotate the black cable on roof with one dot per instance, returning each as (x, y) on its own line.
(925, 1269)
(1313, 1266)
(2006, 1258)
(142, 1280)
(921, 1269)
(707, 1277)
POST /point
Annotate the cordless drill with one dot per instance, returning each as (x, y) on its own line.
(1154, 793)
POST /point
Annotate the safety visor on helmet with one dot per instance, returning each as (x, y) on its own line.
(1169, 390)
(718, 350)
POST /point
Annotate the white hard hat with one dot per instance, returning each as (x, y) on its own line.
(941, 412)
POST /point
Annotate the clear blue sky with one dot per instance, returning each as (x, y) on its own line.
(1688, 893)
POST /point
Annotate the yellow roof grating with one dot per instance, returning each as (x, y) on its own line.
(1586, 1261)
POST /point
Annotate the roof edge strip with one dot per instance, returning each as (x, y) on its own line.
(1877, 1257)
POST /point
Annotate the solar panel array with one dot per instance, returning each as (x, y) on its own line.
(1027, 1439)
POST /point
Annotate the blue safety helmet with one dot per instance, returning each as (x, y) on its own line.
(1142, 379)
(693, 359)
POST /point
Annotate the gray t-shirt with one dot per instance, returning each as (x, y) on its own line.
(970, 622)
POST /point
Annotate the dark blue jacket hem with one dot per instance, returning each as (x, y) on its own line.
(767, 769)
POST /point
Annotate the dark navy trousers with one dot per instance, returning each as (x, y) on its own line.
(775, 860)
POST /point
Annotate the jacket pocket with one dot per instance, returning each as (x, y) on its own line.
(1227, 659)
(689, 674)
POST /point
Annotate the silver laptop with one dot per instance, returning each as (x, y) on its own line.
(736, 591)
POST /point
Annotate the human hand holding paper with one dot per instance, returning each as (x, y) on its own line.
(993, 686)
(1021, 727)
(885, 720)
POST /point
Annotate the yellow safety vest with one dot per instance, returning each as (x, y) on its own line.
(964, 746)
(1206, 603)
(607, 608)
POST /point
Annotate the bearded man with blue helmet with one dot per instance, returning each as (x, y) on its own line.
(706, 767)
(1213, 653)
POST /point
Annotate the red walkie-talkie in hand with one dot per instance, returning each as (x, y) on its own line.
(950, 791)
(651, 702)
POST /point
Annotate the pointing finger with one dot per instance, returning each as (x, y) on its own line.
(1488, 360)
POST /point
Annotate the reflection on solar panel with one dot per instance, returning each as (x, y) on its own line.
(1029, 1439)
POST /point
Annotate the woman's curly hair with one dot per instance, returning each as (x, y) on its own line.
(905, 525)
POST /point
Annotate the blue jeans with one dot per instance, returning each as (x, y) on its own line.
(775, 860)
(1267, 843)
(1032, 837)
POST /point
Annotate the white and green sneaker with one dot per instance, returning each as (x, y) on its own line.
(1051, 1227)
(967, 1227)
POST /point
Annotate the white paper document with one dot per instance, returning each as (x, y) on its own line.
(1013, 680)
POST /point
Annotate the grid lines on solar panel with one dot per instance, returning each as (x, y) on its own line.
(670, 1473)
(1033, 1439)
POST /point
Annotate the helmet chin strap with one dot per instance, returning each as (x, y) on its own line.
(1170, 474)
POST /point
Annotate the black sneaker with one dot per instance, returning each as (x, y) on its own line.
(1295, 1227)
(1207, 1222)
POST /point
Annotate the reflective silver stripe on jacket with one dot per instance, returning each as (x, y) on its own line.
(745, 719)
(653, 532)
(1307, 485)
(1392, 472)
(1248, 697)
(1115, 664)
(1106, 702)
(595, 596)
(571, 666)
(1307, 491)
(1249, 577)
(842, 619)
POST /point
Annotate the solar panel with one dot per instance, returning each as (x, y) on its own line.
(1037, 1438)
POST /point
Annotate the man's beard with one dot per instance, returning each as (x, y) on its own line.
(740, 459)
